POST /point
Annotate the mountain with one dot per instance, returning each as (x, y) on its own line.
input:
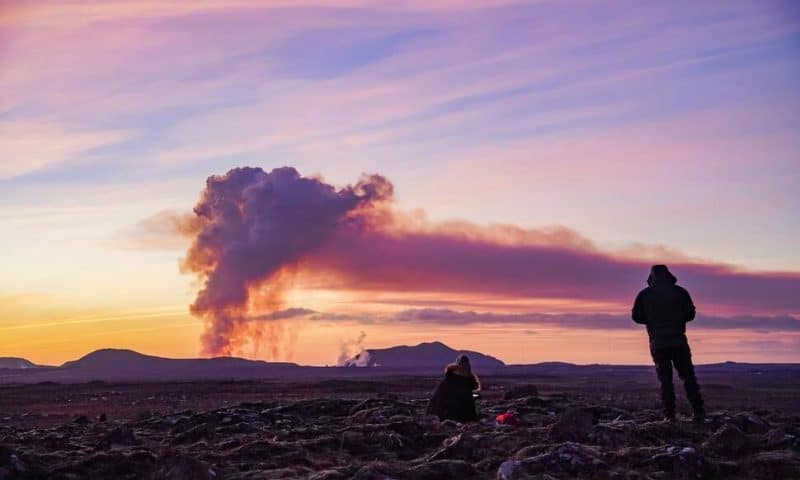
(118, 364)
(432, 354)
(16, 363)
(425, 359)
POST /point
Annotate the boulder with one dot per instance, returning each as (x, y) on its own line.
(574, 425)
(521, 391)
(462, 446)
(529, 451)
(328, 475)
(751, 423)
(184, 467)
(440, 469)
(782, 437)
(196, 433)
(679, 462)
(11, 466)
(612, 434)
(81, 420)
(509, 470)
(777, 464)
(370, 415)
(377, 471)
(113, 464)
(567, 459)
(119, 436)
(728, 439)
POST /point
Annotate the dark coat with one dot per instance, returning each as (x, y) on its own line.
(453, 398)
(664, 308)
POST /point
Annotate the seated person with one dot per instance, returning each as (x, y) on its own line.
(453, 398)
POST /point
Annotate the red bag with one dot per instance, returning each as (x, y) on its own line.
(508, 418)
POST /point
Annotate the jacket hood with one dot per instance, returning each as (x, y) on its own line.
(463, 362)
(660, 275)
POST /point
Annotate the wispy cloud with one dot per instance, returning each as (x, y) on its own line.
(29, 146)
(584, 321)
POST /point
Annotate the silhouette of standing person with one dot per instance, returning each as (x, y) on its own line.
(664, 308)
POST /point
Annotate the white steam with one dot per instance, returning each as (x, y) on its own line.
(352, 352)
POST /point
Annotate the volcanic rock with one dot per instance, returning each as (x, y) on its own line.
(329, 475)
(184, 467)
(777, 464)
(509, 470)
(119, 436)
(728, 439)
(377, 471)
(680, 462)
(11, 466)
(751, 423)
(439, 469)
(569, 458)
(462, 446)
(574, 425)
(81, 420)
(521, 391)
(317, 432)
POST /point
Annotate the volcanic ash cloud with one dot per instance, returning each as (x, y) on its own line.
(252, 231)
(251, 228)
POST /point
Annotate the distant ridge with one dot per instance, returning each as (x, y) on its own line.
(128, 364)
(16, 363)
(429, 354)
(424, 359)
(122, 359)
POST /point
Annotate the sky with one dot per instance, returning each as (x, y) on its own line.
(541, 155)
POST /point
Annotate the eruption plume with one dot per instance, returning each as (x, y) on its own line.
(252, 228)
(253, 231)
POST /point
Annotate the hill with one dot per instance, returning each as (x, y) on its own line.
(119, 364)
(16, 363)
(430, 354)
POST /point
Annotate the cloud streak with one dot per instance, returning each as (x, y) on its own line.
(29, 146)
(784, 323)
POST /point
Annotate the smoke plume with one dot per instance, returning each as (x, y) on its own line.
(253, 232)
(251, 229)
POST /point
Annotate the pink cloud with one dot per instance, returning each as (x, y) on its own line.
(450, 262)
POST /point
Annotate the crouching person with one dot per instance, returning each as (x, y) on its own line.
(453, 398)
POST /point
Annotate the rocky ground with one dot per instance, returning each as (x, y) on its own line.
(378, 430)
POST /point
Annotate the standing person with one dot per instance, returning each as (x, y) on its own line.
(664, 308)
(453, 398)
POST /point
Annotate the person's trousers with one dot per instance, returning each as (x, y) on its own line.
(681, 358)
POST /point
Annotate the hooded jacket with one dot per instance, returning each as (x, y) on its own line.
(453, 398)
(664, 308)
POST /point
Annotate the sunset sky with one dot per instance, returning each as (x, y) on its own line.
(542, 154)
